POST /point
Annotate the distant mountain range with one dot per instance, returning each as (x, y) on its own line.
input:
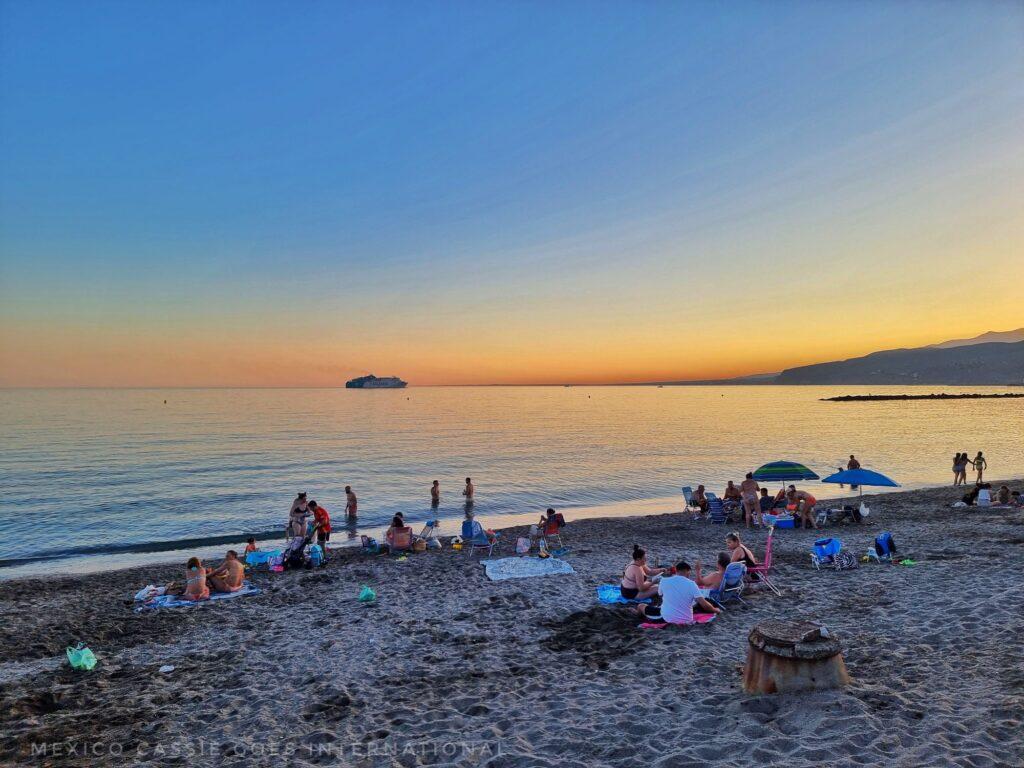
(995, 358)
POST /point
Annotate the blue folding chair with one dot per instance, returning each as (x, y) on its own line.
(825, 551)
(475, 537)
(731, 586)
(716, 510)
(884, 548)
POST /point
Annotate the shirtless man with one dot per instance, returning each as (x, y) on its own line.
(804, 506)
(469, 490)
(230, 575)
(351, 502)
(435, 494)
(751, 508)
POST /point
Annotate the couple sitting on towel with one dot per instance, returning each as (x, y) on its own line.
(677, 592)
(198, 580)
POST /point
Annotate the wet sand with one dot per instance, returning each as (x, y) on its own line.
(448, 668)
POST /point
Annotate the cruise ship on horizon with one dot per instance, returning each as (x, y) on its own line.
(373, 382)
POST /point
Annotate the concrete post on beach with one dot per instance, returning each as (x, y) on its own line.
(790, 656)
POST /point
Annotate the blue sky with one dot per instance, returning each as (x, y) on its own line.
(472, 191)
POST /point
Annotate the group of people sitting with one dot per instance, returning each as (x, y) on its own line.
(757, 502)
(199, 580)
(674, 590)
(982, 495)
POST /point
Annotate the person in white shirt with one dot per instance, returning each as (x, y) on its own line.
(678, 595)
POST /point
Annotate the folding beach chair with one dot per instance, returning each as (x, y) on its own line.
(763, 570)
(731, 586)
(475, 537)
(691, 506)
(552, 530)
(430, 530)
(716, 510)
(824, 551)
(884, 548)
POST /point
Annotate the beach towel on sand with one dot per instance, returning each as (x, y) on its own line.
(175, 601)
(698, 618)
(524, 567)
(610, 594)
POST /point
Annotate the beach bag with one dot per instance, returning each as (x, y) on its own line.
(367, 595)
(81, 658)
(419, 545)
(844, 561)
(316, 556)
(523, 545)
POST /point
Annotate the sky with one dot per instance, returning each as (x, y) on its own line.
(293, 194)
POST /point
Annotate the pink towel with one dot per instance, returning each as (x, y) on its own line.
(698, 618)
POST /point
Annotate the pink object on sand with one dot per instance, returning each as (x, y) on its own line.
(698, 618)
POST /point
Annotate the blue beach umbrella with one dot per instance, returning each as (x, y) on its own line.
(861, 477)
(783, 471)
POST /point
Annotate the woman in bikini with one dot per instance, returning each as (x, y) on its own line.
(738, 551)
(195, 587)
(636, 579)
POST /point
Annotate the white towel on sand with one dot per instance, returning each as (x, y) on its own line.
(524, 567)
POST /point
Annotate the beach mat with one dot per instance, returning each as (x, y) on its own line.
(698, 618)
(611, 594)
(524, 567)
(174, 601)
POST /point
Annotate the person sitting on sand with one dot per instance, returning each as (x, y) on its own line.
(230, 575)
(195, 587)
(678, 595)
(712, 580)
(804, 506)
(250, 545)
(1015, 499)
(749, 490)
(1002, 495)
(636, 578)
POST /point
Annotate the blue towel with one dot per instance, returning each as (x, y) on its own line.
(610, 594)
(175, 601)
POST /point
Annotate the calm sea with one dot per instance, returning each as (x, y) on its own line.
(96, 477)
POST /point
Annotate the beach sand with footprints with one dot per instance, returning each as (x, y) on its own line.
(449, 668)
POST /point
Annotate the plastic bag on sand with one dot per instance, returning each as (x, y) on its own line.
(367, 595)
(81, 657)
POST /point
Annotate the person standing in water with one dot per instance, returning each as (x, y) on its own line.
(853, 464)
(351, 503)
(469, 490)
(980, 465)
(435, 494)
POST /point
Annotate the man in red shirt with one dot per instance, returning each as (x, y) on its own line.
(322, 524)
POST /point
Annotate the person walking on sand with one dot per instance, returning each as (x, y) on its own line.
(980, 465)
(435, 494)
(351, 503)
(749, 490)
(469, 490)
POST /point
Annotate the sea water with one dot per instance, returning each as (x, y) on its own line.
(94, 477)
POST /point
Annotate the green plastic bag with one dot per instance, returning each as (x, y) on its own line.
(80, 657)
(367, 595)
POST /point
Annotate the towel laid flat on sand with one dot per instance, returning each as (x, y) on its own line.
(174, 601)
(524, 567)
(610, 594)
(698, 618)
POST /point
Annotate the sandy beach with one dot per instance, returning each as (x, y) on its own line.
(450, 668)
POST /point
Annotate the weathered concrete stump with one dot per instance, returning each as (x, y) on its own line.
(789, 656)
